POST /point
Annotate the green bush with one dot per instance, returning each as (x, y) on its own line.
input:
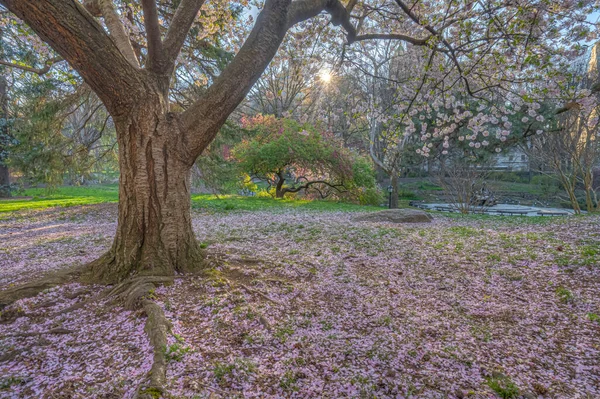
(547, 184)
(406, 194)
(371, 196)
(510, 177)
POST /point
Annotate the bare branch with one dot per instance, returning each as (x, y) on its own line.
(155, 48)
(117, 31)
(178, 30)
(392, 36)
(40, 71)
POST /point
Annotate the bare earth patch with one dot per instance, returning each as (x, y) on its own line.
(314, 305)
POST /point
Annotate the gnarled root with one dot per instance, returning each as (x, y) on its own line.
(33, 288)
(134, 293)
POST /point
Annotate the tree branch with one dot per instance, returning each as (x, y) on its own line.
(40, 71)
(305, 9)
(202, 120)
(178, 30)
(155, 46)
(392, 36)
(74, 34)
(115, 27)
(574, 104)
(311, 183)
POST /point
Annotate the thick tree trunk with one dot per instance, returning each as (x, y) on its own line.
(154, 233)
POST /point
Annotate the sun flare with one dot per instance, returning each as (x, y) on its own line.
(325, 76)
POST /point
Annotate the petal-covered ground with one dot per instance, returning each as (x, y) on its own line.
(97, 351)
(315, 305)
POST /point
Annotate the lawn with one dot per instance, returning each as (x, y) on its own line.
(310, 303)
(38, 198)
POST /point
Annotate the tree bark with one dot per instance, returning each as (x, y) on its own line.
(395, 190)
(4, 173)
(154, 232)
(4, 181)
(279, 190)
(157, 148)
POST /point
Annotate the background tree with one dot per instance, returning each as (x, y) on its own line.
(5, 139)
(292, 157)
(61, 136)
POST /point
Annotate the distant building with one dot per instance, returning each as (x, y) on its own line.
(513, 159)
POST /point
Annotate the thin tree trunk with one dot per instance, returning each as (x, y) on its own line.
(4, 173)
(4, 181)
(279, 190)
(154, 233)
(395, 190)
(587, 183)
(569, 187)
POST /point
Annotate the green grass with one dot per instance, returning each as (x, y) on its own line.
(62, 197)
(227, 203)
(87, 195)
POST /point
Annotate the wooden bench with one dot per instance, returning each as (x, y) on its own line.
(511, 212)
(553, 213)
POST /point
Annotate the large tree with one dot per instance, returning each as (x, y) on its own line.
(485, 44)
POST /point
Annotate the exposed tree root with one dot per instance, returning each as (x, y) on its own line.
(12, 354)
(260, 294)
(35, 287)
(157, 328)
(81, 304)
(134, 293)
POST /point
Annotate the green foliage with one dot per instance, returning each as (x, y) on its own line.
(594, 317)
(215, 169)
(510, 177)
(547, 184)
(241, 366)
(283, 332)
(288, 381)
(373, 196)
(304, 158)
(175, 352)
(58, 138)
(407, 194)
(7, 382)
(564, 294)
(503, 386)
(154, 393)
